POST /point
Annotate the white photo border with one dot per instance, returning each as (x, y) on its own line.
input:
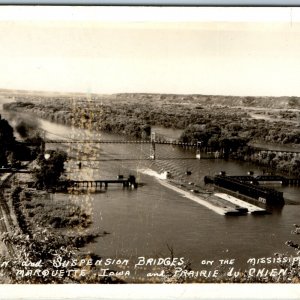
(152, 291)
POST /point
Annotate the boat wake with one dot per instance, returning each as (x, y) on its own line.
(154, 174)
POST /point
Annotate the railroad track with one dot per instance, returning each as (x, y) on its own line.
(6, 222)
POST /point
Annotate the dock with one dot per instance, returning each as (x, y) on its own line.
(13, 170)
(98, 184)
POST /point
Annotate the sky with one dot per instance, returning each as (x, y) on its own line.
(199, 51)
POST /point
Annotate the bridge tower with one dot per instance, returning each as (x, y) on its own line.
(152, 146)
(43, 144)
(198, 151)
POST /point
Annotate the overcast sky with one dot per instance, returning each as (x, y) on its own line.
(94, 55)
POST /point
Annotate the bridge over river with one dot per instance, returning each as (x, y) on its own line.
(256, 146)
(120, 142)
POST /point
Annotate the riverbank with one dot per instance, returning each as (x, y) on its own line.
(234, 133)
(197, 115)
(44, 231)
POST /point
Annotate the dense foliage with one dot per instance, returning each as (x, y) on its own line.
(51, 167)
(226, 124)
(134, 114)
(7, 141)
(36, 239)
(286, 163)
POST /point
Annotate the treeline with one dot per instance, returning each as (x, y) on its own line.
(287, 163)
(273, 161)
(213, 132)
(220, 128)
(93, 117)
(210, 124)
(232, 140)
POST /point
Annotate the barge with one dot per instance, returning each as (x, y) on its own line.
(249, 208)
(229, 208)
(247, 186)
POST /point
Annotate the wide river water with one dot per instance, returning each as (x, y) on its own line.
(144, 221)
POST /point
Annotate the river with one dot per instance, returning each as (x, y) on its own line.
(143, 222)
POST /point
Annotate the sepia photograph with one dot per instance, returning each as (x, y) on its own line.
(149, 145)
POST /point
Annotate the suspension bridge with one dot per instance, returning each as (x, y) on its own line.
(177, 143)
(152, 142)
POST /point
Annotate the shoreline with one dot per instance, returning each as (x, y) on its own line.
(40, 230)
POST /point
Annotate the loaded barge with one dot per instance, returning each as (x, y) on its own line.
(249, 187)
(220, 203)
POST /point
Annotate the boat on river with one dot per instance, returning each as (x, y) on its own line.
(253, 209)
(260, 194)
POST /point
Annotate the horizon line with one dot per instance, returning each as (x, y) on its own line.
(134, 93)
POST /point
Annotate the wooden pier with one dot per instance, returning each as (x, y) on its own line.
(99, 184)
(14, 170)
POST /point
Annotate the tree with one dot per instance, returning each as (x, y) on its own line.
(13, 160)
(7, 140)
(38, 144)
(25, 127)
(146, 131)
(194, 133)
(295, 166)
(51, 167)
(232, 144)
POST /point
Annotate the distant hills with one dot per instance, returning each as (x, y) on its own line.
(184, 99)
(230, 101)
